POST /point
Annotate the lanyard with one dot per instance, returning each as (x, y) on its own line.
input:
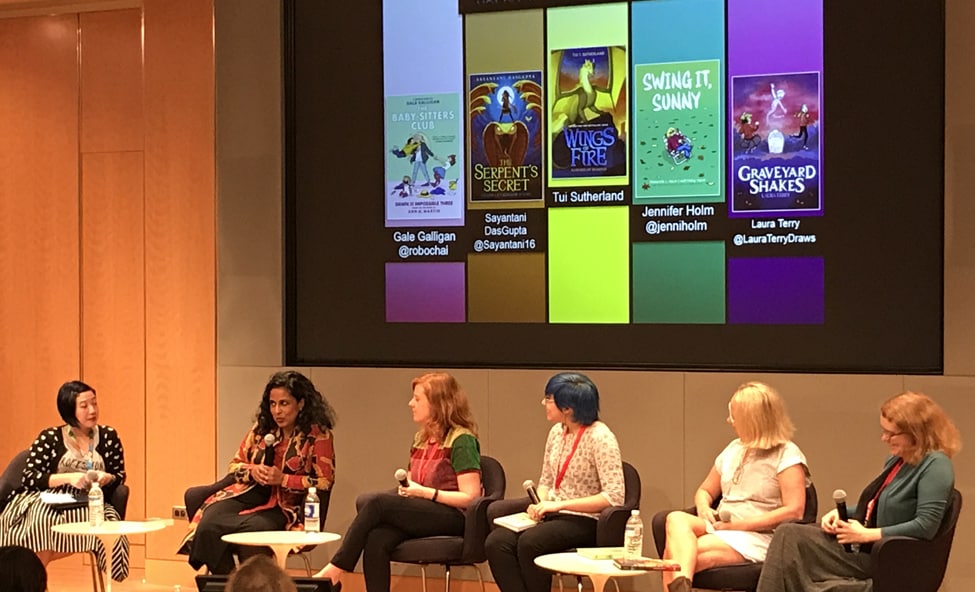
(873, 502)
(565, 465)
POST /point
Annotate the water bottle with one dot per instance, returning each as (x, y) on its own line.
(96, 504)
(312, 511)
(633, 537)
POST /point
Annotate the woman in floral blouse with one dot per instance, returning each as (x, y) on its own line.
(582, 473)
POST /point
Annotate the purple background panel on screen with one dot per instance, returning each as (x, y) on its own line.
(776, 291)
(425, 293)
(423, 82)
(771, 38)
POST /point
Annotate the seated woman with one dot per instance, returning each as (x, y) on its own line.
(581, 474)
(908, 498)
(761, 477)
(60, 460)
(444, 478)
(266, 497)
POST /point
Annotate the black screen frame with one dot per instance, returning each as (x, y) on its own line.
(896, 340)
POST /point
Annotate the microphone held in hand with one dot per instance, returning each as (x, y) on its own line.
(724, 515)
(400, 476)
(92, 477)
(529, 486)
(839, 496)
(269, 450)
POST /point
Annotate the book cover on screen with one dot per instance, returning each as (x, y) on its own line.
(775, 143)
(506, 143)
(678, 148)
(424, 179)
(589, 109)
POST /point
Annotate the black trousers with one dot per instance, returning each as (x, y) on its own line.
(224, 517)
(384, 521)
(511, 555)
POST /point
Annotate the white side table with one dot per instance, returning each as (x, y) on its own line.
(280, 541)
(597, 570)
(108, 532)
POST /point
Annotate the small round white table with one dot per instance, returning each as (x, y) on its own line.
(598, 570)
(108, 532)
(280, 541)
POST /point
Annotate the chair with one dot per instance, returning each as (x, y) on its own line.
(736, 576)
(194, 497)
(468, 549)
(13, 478)
(611, 524)
(905, 563)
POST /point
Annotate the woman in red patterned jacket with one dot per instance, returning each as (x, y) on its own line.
(262, 496)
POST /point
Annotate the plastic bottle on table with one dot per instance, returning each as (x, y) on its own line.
(312, 511)
(633, 537)
(96, 504)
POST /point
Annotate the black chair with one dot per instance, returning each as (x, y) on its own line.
(451, 551)
(118, 497)
(194, 497)
(611, 524)
(736, 576)
(905, 563)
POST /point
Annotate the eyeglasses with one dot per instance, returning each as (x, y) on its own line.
(888, 434)
(548, 399)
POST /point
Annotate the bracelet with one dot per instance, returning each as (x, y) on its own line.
(436, 492)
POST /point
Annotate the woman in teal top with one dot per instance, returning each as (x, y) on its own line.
(908, 498)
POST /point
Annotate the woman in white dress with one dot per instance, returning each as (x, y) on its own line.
(761, 477)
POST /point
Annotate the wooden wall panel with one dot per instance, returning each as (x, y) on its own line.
(111, 81)
(113, 319)
(39, 294)
(180, 257)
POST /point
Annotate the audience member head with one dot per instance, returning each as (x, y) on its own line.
(758, 414)
(67, 400)
(21, 570)
(571, 390)
(259, 573)
(919, 426)
(314, 409)
(448, 406)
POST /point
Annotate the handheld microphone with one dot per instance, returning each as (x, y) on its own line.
(269, 450)
(400, 475)
(724, 515)
(92, 477)
(839, 496)
(529, 486)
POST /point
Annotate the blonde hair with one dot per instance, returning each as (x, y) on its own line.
(448, 404)
(760, 416)
(926, 422)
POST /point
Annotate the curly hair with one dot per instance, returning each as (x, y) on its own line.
(448, 404)
(316, 410)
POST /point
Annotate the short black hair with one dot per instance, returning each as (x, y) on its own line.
(571, 390)
(21, 570)
(67, 398)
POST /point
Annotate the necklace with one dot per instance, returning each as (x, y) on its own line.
(736, 478)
